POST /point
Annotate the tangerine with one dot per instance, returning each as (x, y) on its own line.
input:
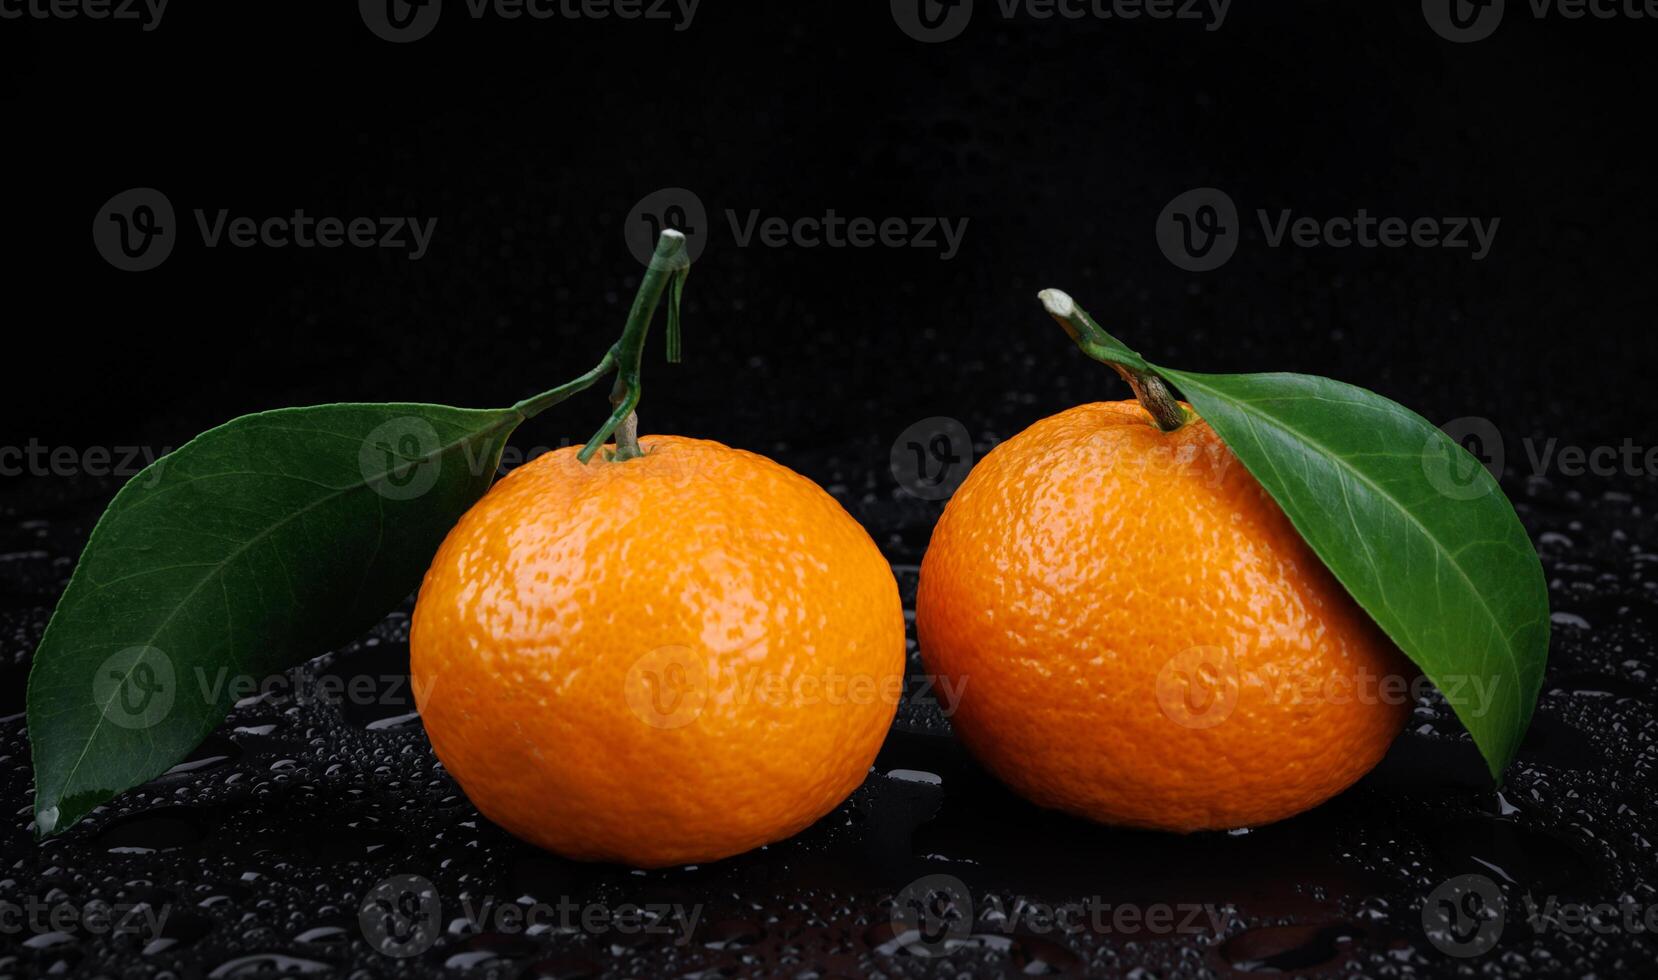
(1141, 637)
(660, 660)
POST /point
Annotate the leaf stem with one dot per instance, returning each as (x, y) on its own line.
(1149, 387)
(529, 408)
(669, 264)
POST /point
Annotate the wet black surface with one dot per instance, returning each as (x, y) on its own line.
(263, 847)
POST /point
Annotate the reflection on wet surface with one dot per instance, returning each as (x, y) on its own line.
(266, 842)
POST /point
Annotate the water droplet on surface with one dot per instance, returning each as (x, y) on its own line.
(1038, 956)
(1503, 848)
(561, 968)
(916, 776)
(161, 829)
(1284, 949)
(731, 934)
(266, 964)
(180, 928)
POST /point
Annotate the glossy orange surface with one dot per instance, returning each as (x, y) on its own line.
(665, 660)
(1142, 638)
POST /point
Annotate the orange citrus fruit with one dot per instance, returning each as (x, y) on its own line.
(657, 661)
(1141, 637)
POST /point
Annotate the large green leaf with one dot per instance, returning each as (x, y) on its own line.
(1410, 523)
(254, 547)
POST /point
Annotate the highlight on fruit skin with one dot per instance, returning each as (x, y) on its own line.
(1142, 638)
(660, 660)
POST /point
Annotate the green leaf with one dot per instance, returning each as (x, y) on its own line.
(254, 547)
(1411, 524)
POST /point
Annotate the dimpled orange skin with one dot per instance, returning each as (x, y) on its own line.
(1092, 571)
(551, 589)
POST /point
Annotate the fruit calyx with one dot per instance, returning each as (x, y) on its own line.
(667, 271)
(1149, 387)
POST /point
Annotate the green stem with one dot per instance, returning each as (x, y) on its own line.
(1149, 387)
(529, 408)
(670, 263)
(667, 264)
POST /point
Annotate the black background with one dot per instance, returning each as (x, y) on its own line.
(1059, 142)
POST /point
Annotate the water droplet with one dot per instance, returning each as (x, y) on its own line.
(265, 964)
(1281, 949)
